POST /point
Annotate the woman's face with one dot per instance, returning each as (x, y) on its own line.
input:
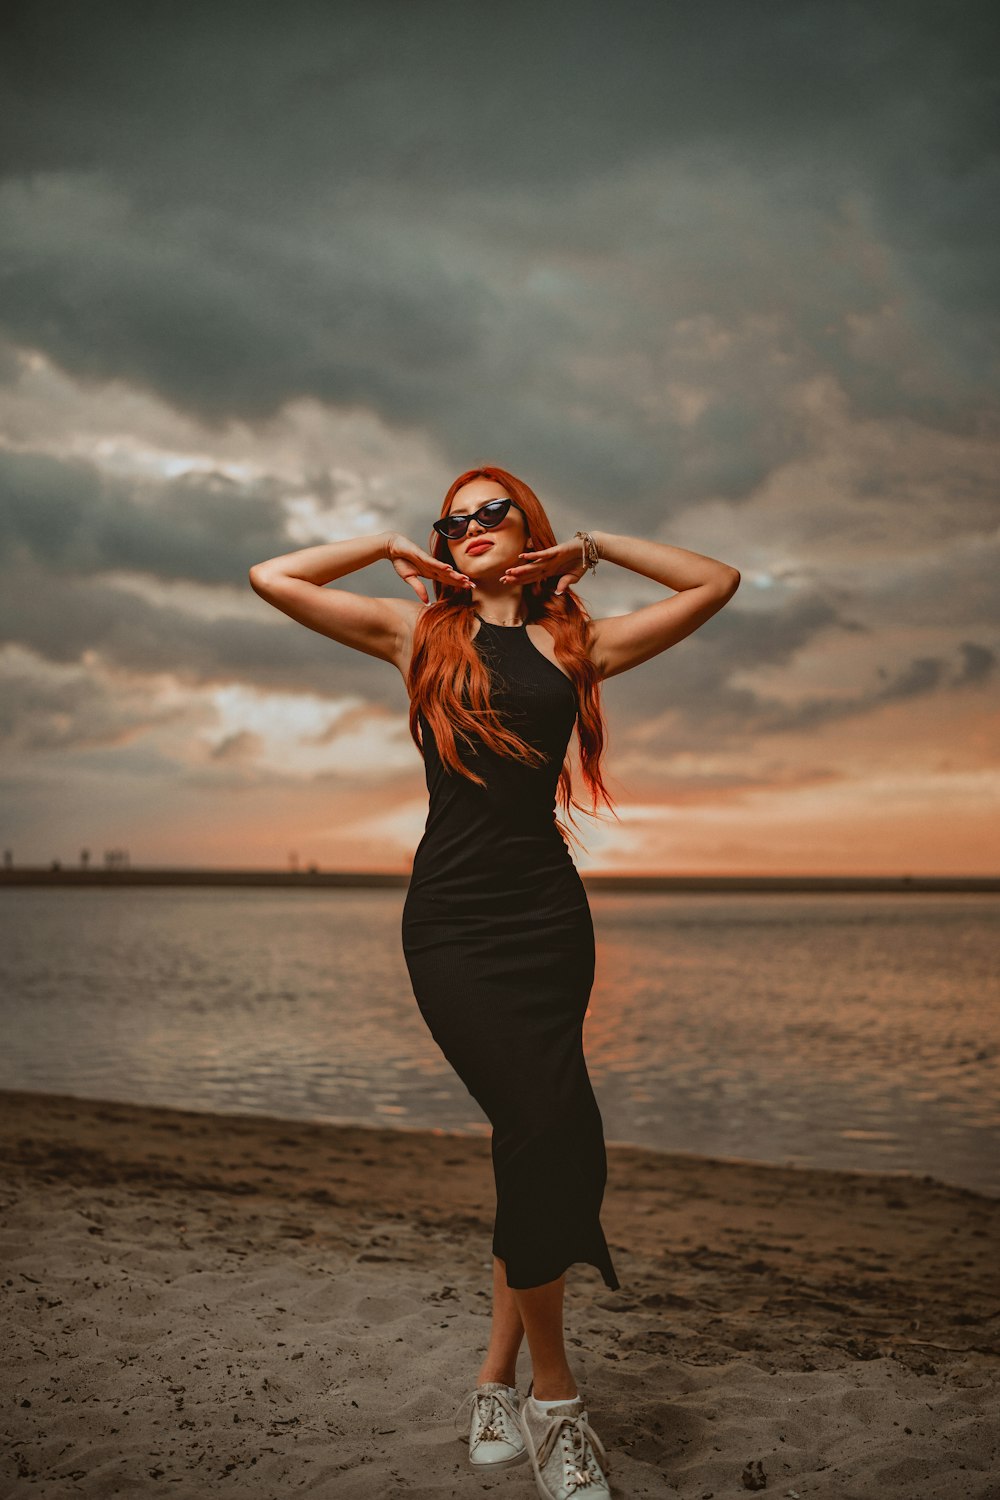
(471, 553)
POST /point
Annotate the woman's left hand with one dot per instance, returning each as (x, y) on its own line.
(565, 561)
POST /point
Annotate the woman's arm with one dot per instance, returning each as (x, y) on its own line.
(294, 583)
(703, 586)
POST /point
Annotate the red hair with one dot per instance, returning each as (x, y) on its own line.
(445, 664)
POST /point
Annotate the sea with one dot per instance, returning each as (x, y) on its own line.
(853, 1030)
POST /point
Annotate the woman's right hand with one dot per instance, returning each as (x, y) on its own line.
(413, 565)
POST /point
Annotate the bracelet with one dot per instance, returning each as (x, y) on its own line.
(591, 556)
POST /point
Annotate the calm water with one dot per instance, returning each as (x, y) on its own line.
(852, 1030)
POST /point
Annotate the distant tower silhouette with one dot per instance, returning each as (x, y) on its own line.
(293, 862)
(84, 858)
(8, 859)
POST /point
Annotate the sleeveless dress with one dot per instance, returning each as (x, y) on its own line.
(499, 944)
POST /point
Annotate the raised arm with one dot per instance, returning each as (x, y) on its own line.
(703, 586)
(382, 627)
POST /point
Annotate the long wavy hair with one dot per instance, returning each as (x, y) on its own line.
(446, 668)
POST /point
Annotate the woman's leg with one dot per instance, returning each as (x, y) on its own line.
(500, 1362)
(541, 1312)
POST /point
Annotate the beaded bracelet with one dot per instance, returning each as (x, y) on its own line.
(590, 553)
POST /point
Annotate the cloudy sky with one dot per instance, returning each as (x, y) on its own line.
(719, 274)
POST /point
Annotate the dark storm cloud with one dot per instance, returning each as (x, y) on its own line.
(234, 205)
(726, 716)
(63, 618)
(439, 95)
(978, 663)
(920, 678)
(41, 713)
(694, 687)
(203, 528)
(691, 682)
(925, 673)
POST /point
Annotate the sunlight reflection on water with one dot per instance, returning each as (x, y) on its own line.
(853, 1030)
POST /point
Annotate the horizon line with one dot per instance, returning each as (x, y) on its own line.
(55, 873)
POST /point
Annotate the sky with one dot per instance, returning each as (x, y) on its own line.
(720, 275)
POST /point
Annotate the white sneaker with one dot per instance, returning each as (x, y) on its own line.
(495, 1437)
(567, 1456)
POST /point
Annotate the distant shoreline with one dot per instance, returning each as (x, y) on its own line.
(31, 875)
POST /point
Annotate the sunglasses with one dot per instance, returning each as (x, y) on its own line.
(452, 528)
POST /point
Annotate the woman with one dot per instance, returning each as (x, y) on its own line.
(497, 931)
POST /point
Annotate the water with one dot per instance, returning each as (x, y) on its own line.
(857, 1030)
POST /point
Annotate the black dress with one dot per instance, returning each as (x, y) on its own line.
(499, 944)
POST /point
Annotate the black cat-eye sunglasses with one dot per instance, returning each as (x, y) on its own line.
(453, 528)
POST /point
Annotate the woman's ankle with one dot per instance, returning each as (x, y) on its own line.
(505, 1377)
(561, 1387)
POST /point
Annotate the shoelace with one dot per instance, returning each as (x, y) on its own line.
(579, 1432)
(491, 1408)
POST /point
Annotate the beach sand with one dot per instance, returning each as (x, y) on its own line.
(201, 1305)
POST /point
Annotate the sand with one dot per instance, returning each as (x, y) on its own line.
(201, 1305)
